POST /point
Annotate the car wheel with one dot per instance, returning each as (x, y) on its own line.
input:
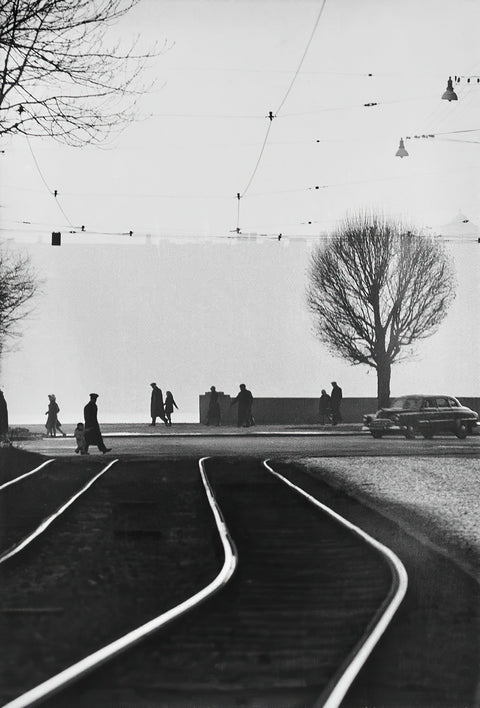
(410, 432)
(461, 431)
(376, 435)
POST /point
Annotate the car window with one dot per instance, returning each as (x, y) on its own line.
(409, 404)
(429, 403)
(453, 403)
(442, 402)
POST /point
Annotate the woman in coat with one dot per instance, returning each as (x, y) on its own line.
(169, 405)
(53, 424)
(325, 408)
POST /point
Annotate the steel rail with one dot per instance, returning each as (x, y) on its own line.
(337, 688)
(27, 474)
(99, 657)
(17, 547)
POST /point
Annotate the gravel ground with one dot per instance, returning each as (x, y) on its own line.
(439, 503)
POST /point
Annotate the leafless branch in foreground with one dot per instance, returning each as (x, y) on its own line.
(58, 76)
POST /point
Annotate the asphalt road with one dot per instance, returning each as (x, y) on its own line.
(263, 444)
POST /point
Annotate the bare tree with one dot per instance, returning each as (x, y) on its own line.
(18, 285)
(58, 77)
(374, 290)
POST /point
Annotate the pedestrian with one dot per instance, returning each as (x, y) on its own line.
(244, 399)
(213, 413)
(53, 424)
(169, 405)
(336, 400)
(325, 408)
(93, 436)
(79, 435)
(4, 439)
(157, 409)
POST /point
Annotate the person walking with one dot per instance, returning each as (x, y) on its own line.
(336, 400)
(4, 420)
(325, 408)
(93, 436)
(169, 406)
(79, 435)
(157, 409)
(53, 424)
(244, 399)
(213, 413)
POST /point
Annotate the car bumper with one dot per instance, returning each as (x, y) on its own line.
(386, 426)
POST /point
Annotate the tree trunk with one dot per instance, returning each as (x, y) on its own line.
(384, 370)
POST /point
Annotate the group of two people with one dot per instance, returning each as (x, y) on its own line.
(160, 408)
(329, 405)
(243, 399)
(85, 434)
(53, 424)
(89, 433)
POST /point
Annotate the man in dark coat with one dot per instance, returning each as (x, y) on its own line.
(335, 401)
(245, 401)
(213, 413)
(93, 436)
(3, 419)
(157, 409)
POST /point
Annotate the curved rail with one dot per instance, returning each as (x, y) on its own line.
(79, 669)
(13, 550)
(27, 474)
(335, 692)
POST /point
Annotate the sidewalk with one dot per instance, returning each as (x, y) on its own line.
(111, 430)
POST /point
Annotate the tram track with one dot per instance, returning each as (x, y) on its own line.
(271, 630)
(94, 554)
(29, 507)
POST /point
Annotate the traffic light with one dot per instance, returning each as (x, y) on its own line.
(56, 238)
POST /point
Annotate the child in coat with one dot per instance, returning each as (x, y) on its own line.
(79, 434)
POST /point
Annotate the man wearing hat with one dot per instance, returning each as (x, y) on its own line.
(157, 409)
(93, 436)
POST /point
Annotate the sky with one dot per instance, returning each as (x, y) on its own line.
(186, 301)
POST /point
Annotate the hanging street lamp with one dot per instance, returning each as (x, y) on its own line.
(450, 94)
(401, 152)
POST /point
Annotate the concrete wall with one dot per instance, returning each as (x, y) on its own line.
(298, 411)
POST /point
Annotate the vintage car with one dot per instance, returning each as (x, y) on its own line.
(427, 415)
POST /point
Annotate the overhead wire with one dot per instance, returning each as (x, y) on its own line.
(52, 192)
(443, 109)
(272, 115)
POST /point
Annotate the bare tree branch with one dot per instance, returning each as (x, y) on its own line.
(58, 75)
(18, 285)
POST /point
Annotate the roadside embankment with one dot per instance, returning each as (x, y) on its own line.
(435, 499)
